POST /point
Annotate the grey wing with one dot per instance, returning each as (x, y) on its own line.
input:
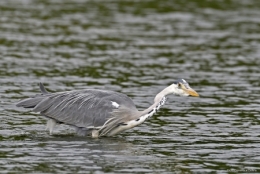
(85, 108)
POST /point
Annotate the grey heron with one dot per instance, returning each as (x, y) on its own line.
(98, 112)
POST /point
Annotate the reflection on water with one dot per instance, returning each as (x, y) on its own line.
(137, 48)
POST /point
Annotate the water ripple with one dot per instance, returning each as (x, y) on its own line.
(137, 48)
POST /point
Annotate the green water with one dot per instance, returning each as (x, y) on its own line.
(137, 48)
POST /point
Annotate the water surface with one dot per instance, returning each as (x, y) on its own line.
(137, 48)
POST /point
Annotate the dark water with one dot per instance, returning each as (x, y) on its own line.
(137, 48)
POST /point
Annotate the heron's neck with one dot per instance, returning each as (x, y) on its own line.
(159, 101)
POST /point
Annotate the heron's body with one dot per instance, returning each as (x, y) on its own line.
(91, 111)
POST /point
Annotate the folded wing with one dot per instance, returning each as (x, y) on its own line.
(84, 108)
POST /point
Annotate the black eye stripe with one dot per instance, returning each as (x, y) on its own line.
(180, 81)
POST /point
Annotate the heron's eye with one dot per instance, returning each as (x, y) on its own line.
(179, 85)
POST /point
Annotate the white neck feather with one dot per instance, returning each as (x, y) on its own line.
(159, 98)
(168, 90)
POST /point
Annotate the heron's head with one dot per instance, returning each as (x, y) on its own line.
(182, 88)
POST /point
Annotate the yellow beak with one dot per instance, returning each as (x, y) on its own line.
(191, 92)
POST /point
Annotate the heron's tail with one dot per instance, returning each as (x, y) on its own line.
(34, 100)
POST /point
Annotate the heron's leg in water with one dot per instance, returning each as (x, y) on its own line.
(51, 123)
(95, 134)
